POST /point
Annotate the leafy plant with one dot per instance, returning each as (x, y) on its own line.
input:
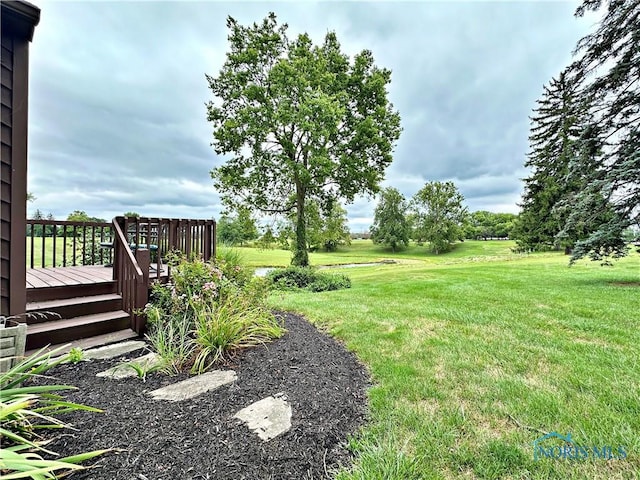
(229, 261)
(326, 282)
(292, 277)
(76, 355)
(143, 368)
(25, 410)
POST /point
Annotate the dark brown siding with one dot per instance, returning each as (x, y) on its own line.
(18, 21)
(6, 81)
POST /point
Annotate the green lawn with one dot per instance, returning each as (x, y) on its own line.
(48, 251)
(477, 353)
(363, 251)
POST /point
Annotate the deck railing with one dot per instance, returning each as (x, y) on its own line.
(130, 244)
(59, 243)
(132, 277)
(151, 239)
(163, 235)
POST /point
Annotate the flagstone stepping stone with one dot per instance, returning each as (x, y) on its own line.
(115, 350)
(145, 363)
(193, 386)
(268, 417)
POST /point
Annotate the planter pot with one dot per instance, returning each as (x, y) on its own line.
(12, 341)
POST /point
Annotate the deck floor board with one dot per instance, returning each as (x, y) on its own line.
(78, 275)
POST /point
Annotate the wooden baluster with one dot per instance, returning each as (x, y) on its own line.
(55, 231)
(43, 245)
(143, 256)
(84, 243)
(207, 243)
(75, 243)
(93, 244)
(187, 240)
(64, 245)
(32, 249)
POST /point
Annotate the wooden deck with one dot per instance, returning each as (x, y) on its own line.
(79, 275)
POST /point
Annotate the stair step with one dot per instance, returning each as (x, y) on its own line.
(73, 307)
(70, 329)
(92, 342)
(70, 291)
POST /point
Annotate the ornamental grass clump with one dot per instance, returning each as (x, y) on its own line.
(206, 310)
(26, 410)
(234, 322)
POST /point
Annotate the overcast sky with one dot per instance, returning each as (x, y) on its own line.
(118, 92)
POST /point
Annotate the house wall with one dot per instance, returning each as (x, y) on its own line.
(6, 97)
(18, 21)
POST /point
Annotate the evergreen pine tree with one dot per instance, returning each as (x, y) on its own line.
(555, 131)
(608, 69)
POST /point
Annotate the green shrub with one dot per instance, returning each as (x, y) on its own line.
(206, 309)
(293, 277)
(326, 282)
(190, 277)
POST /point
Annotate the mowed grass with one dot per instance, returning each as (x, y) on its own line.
(472, 360)
(47, 253)
(364, 251)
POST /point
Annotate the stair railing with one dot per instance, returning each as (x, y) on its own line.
(131, 274)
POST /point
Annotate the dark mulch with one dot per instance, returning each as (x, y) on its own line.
(200, 439)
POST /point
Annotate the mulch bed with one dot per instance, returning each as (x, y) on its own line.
(200, 439)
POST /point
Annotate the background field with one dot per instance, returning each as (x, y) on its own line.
(477, 353)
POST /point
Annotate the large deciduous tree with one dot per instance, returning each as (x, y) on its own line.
(608, 69)
(300, 121)
(439, 215)
(390, 225)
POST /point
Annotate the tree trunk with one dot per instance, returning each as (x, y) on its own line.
(300, 253)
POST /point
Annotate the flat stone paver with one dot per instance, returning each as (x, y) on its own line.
(268, 417)
(110, 351)
(123, 370)
(193, 386)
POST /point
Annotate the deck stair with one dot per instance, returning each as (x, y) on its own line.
(72, 313)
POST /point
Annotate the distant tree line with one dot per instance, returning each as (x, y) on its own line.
(434, 215)
(47, 230)
(324, 231)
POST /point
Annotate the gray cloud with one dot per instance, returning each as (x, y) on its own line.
(117, 106)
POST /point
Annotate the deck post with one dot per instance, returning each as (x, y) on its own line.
(143, 257)
(206, 253)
